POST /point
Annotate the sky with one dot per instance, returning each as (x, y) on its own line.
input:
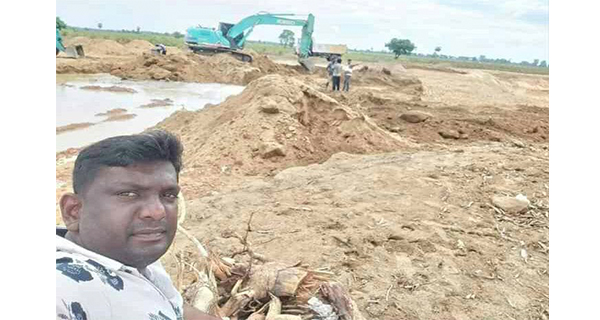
(511, 29)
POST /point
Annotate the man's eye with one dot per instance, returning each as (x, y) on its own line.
(170, 195)
(128, 194)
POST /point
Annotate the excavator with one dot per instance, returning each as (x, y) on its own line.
(72, 52)
(232, 37)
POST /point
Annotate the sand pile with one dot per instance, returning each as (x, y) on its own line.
(84, 41)
(139, 46)
(178, 65)
(103, 47)
(187, 67)
(368, 75)
(275, 123)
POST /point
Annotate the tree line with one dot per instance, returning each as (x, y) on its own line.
(406, 47)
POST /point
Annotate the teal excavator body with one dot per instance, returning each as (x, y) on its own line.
(232, 37)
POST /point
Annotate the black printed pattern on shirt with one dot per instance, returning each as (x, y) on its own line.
(159, 316)
(107, 276)
(178, 313)
(76, 312)
(73, 270)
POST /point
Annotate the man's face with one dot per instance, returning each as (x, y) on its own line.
(129, 214)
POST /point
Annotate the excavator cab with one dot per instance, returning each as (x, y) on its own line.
(224, 28)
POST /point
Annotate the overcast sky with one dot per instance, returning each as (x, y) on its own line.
(512, 29)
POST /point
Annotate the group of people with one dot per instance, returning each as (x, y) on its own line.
(335, 69)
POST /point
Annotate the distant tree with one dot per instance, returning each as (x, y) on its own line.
(482, 58)
(178, 34)
(60, 24)
(438, 49)
(535, 62)
(400, 47)
(543, 64)
(286, 38)
(99, 25)
(137, 29)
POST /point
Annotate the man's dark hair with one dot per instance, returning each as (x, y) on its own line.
(123, 151)
(339, 60)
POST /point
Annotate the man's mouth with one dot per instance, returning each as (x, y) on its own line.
(150, 234)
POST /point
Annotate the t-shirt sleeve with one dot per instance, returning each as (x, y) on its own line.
(79, 295)
(162, 280)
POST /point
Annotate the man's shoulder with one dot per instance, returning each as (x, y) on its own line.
(76, 270)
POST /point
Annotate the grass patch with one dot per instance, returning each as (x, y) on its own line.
(124, 37)
(416, 61)
(269, 48)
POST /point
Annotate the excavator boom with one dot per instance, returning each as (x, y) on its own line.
(232, 37)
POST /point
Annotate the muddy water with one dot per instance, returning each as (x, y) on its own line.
(77, 105)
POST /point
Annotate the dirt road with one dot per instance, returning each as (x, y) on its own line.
(410, 188)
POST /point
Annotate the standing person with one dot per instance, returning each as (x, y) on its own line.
(120, 219)
(330, 72)
(337, 74)
(347, 75)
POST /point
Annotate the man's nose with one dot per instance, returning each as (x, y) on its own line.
(153, 209)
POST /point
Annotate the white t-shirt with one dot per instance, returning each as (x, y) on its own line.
(348, 71)
(91, 286)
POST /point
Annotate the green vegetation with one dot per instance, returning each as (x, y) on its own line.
(174, 39)
(286, 38)
(400, 47)
(60, 25)
(270, 48)
(431, 61)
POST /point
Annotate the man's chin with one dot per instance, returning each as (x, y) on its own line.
(148, 254)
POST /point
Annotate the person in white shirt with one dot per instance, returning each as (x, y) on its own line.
(347, 75)
(337, 73)
(120, 219)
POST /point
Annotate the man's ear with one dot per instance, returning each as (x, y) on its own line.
(70, 209)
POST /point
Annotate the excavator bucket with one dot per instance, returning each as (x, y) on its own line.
(307, 64)
(75, 52)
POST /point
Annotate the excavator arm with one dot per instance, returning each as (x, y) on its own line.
(232, 37)
(246, 26)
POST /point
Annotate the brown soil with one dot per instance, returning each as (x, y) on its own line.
(112, 112)
(158, 103)
(109, 89)
(399, 211)
(120, 117)
(73, 126)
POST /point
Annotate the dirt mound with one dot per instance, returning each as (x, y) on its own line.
(120, 117)
(83, 66)
(155, 103)
(111, 112)
(384, 76)
(109, 89)
(73, 126)
(84, 41)
(103, 47)
(187, 67)
(412, 234)
(221, 68)
(117, 114)
(276, 122)
(139, 46)
(268, 66)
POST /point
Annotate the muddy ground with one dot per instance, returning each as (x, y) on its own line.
(403, 187)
